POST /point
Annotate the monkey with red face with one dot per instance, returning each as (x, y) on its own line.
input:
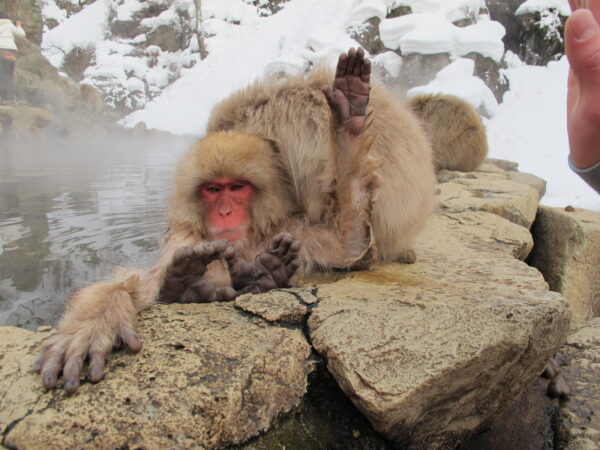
(294, 175)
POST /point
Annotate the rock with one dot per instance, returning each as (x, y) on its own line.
(540, 37)
(76, 61)
(208, 377)
(491, 192)
(433, 351)
(567, 252)
(490, 71)
(23, 121)
(418, 69)
(528, 424)
(367, 35)
(531, 180)
(398, 11)
(578, 425)
(275, 306)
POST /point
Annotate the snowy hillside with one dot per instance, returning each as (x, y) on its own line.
(146, 61)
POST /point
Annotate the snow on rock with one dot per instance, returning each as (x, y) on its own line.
(430, 33)
(84, 30)
(457, 79)
(366, 10)
(390, 62)
(532, 6)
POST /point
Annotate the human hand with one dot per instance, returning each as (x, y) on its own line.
(582, 44)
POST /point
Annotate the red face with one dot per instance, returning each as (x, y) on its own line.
(227, 202)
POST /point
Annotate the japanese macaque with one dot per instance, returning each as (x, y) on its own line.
(455, 130)
(306, 173)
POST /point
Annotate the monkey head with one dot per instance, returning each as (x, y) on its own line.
(228, 186)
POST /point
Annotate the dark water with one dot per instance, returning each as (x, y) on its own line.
(71, 210)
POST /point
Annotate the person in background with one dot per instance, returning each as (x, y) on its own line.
(8, 55)
(582, 45)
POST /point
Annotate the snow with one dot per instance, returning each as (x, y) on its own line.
(457, 79)
(431, 33)
(531, 6)
(83, 30)
(528, 127)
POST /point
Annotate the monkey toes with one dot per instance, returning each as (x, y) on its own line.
(186, 270)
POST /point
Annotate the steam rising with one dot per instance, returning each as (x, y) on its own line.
(71, 209)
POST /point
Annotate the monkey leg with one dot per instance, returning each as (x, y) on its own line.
(271, 269)
(186, 269)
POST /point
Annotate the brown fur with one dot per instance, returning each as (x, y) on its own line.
(349, 200)
(455, 130)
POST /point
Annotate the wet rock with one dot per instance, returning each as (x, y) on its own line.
(208, 376)
(528, 424)
(433, 351)
(22, 121)
(578, 425)
(567, 252)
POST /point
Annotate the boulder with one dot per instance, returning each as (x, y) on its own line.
(540, 37)
(578, 425)
(489, 189)
(567, 252)
(367, 35)
(208, 376)
(433, 351)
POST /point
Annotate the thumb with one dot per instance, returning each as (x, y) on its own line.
(582, 43)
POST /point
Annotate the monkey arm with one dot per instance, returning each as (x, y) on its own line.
(355, 170)
(98, 318)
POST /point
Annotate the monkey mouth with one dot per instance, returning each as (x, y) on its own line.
(231, 235)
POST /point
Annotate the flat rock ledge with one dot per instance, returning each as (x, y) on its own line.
(208, 376)
(430, 352)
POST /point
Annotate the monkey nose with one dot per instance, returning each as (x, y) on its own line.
(224, 212)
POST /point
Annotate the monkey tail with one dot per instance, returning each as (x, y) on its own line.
(455, 130)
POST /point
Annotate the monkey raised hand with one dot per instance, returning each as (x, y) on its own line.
(349, 95)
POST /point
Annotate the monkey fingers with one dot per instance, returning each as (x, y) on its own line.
(205, 291)
(281, 260)
(350, 93)
(189, 265)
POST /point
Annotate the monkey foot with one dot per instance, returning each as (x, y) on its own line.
(271, 269)
(349, 96)
(183, 283)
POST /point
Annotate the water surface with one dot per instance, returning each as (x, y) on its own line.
(73, 209)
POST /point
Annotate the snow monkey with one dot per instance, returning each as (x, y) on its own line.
(455, 130)
(305, 173)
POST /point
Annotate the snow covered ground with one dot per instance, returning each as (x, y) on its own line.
(528, 127)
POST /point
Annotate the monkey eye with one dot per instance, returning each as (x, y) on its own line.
(237, 186)
(212, 189)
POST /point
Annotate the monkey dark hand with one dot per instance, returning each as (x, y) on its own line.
(349, 96)
(183, 281)
(271, 269)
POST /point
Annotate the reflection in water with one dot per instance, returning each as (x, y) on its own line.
(70, 210)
